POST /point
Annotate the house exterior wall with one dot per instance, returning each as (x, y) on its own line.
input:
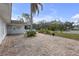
(5, 11)
(5, 18)
(13, 29)
(3, 30)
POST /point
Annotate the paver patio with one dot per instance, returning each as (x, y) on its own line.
(41, 45)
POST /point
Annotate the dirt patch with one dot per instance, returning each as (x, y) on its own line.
(41, 45)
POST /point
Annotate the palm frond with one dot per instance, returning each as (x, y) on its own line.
(35, 7)
(41, 6)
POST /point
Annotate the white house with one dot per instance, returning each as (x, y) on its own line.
(8, 26)
(5, 18)
(16, 27)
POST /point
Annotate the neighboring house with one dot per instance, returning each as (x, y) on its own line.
(16, 27)
(5, 18)
(76, 27)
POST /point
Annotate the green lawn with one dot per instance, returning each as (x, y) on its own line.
(68, 35)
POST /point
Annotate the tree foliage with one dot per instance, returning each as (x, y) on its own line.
(54, 25)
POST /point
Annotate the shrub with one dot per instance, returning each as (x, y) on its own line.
(41, 30)
(30, 33)
(45, 31)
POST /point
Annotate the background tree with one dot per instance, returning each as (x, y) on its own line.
(54, 25)
(68, 25)
(26, 17)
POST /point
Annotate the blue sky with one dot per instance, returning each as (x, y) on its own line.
(51, 11)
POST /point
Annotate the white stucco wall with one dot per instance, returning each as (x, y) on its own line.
(5, 11)
(13, 29)
(3, 30)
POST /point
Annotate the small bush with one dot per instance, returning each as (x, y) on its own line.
(41, 30)
(30, 33)
(45, 31)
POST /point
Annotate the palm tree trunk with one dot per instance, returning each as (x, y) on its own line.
(31, 20)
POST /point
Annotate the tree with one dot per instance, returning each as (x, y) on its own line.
(68, 25)
(25, 17)
(34, 9)
(54, 25)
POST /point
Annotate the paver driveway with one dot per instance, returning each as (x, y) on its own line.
(41, 45)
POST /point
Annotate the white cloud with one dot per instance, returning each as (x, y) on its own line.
(75, 19)
(76, 16)
(13, 18)
(46, 18)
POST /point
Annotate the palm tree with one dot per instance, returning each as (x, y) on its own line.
(34, 10)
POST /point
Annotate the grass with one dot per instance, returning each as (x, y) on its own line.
(68, 35)
(45, 31)
(65, 35)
